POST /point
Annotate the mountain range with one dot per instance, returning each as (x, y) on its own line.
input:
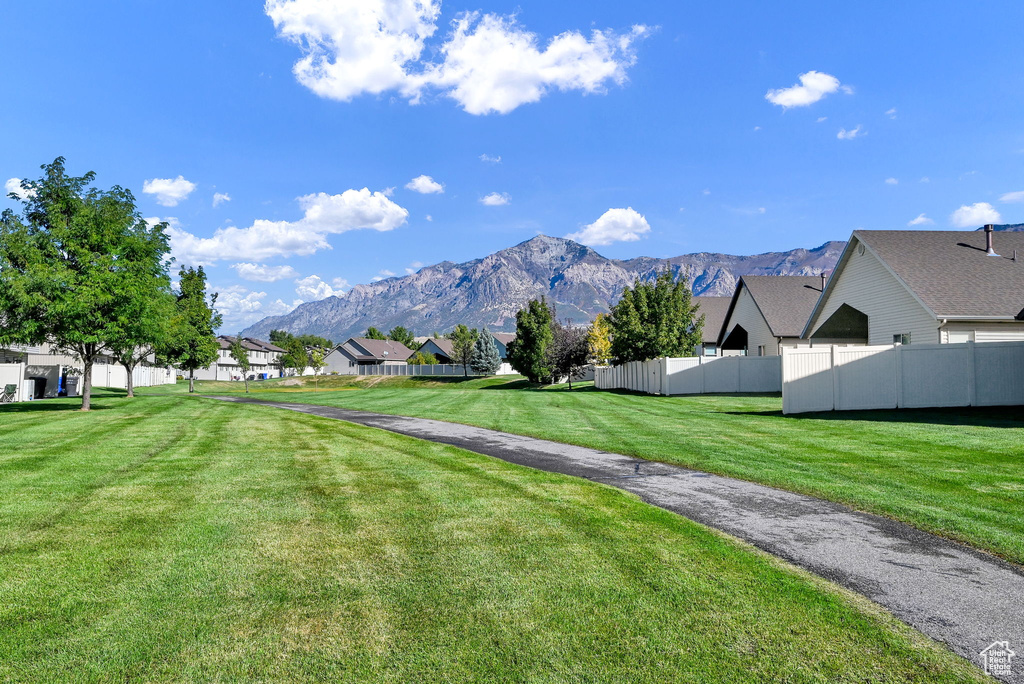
(489, 291)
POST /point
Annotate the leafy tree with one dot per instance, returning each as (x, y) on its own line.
(241, 356)
(190, 344)
(599, 340)
(401, 334)
(295, 356)
(316, 362)
(654, 319)
(463, 339)
(569, 350)
(485, 358)
(528, 352)
(68, 265)
(280, 337)
(315, 341)
(422, 359)
(374, 334)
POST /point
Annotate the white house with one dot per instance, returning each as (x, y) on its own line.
(767, 313)
(924, 287)
(346, 358)
(264, 360)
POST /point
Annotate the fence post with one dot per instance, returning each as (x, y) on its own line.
(899, 375)
(835, 379)
(972, 380)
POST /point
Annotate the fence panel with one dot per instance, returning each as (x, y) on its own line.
(999, 374)
(759, 374)
(722, 374)
(807, 383)
(865, 378)
(14, 374)
(934, 375)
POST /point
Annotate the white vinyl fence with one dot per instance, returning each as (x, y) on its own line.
(103, 375)
(695, 375)
(903, 376)
(14, 374)
(425, 369)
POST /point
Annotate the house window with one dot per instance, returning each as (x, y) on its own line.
(902, 338)
(710, 350)
(760, 350)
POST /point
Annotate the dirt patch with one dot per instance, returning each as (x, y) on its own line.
(291, 382)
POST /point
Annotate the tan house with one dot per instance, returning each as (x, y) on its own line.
(346, 358)
(714, 311)
(924, 287)
(767, 313)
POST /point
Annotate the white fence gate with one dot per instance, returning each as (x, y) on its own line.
(902, 376)
(695, 375)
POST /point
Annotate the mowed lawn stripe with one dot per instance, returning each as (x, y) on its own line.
(218, 542)
(954, 472)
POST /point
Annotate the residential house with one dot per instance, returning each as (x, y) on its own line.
(264, 360)
(714, 310)
(441, 348)
(924, 287)
(346, 358)
(767, 313)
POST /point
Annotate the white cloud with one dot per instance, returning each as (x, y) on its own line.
(495, 199)
(705, 192)
(425, 185)
(429, 217)
(13, 186)
(921, 220)
(489, 159)
(1012, 197)
(489, 63)
(239, 306)
(892, 181)
(761, 210)
(926, 179)
(313, 288)
(264, 274)
(822, 118)
(169, 191)
(844, 134)
(977, 214)
(614, 225)
(220, 198)
(891, 113)
(323, 215)
(339, 283)
(413, 267)
(279, 307)
(757, 128)
(382, 274)
(813, 86)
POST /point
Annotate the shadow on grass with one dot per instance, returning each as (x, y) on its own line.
(984, 416)
(64, 403)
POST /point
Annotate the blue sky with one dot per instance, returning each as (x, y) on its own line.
(643, 128)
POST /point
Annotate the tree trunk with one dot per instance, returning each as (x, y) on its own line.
(465, 371)
(131, 384)
(86, 383)
(191, 381)
(245, 377)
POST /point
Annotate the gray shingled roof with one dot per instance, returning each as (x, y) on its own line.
(950, 271)
(786, 302)
(445, 345)
(504, 338)
(396, 350)
(714, 310)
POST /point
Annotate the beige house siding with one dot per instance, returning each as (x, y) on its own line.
(746, 314)
(868, 286)
(966, 331)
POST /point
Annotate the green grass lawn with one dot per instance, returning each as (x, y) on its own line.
(957, 472)
(172, 538)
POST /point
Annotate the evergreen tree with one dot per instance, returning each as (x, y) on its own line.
(191, 344)
(528, 352)
(599, 340)
(403, 335)
(485, 358)
(373, 334)
(655, 319)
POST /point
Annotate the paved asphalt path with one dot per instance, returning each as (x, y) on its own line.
(961, 597)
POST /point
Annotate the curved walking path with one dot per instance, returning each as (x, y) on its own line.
(961, 597)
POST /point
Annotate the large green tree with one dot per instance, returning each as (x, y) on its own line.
(569, 351)
(528, 352)
(373, 333)
(295, 356)
(71, 263)
(654, 319)
(191, 344)
(403, 335)
(463, 339)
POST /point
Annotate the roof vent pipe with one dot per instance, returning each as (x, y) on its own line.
(822, 281)
(988, 240)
